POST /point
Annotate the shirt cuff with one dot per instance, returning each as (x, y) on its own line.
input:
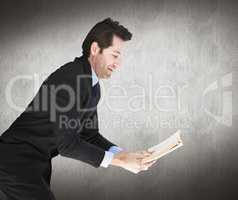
(107, 159)
(115, 149)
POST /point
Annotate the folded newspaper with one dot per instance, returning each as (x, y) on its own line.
(170, 144)
(167, 146)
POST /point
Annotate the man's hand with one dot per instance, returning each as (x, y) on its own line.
(132, 161)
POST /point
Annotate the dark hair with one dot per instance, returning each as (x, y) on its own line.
(102, 33)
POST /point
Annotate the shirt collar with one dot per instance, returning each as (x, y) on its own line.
(94, 78)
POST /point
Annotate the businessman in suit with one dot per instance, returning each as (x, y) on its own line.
(41, 132)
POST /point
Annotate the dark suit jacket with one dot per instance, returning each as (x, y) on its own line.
(41, 127)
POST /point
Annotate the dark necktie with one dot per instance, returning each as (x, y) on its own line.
(95, 94)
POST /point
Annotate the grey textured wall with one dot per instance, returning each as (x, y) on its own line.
(182, 66)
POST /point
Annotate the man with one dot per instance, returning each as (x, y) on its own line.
(71, 92)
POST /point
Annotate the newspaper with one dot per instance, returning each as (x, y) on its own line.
(167, 146)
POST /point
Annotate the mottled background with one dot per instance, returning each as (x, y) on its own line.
(179, 72)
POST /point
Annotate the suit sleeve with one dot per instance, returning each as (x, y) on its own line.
(90, 132)
(69, 144)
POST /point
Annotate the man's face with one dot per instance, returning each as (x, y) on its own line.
(109, 59)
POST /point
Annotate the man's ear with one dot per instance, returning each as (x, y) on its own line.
(94, 48)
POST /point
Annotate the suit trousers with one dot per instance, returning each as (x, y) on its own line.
(25, 172)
